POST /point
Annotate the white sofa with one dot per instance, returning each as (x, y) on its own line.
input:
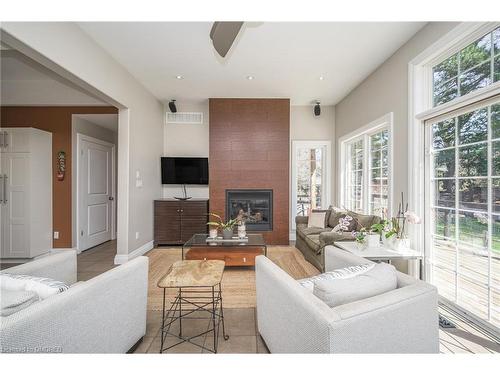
(106, 314)
(291, 319)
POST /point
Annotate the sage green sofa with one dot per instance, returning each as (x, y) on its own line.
(312, 241)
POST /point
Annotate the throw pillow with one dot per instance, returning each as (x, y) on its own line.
(327, 215)
(341, 273)
(43, 287)
(380, 279)
(316, 220)
(12, 301)
(364, 221)
(346, 223)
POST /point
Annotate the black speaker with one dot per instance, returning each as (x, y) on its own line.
(171, 105)
(317, 109)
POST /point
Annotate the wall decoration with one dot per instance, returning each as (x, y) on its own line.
(61, 165)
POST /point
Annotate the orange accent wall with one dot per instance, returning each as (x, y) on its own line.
(56, 120)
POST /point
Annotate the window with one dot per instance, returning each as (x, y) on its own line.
(365, 168)
(473, 67)
(310, 176)
(464, 196)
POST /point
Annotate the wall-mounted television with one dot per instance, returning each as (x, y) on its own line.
(189, 171)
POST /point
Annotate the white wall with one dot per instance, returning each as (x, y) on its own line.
(81, 126)
(384, 91)
(187, 140)
(66, 49)
(304, 126)
(44, 93)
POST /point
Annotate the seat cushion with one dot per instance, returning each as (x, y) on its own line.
(380, 279)
(12, 301)
(303, 231)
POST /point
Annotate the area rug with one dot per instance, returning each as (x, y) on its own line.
(238, 283)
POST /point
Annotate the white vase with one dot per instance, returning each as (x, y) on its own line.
(361, 245)
(242, 231)
(400, 244)
(387, 241)
(373, 240)
(213, 233)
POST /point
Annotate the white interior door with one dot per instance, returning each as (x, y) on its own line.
(14, 204)
(95, 174)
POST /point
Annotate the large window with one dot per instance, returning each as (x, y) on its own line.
(464, 204)
(473, 67)
(365, 166)
(310, 176)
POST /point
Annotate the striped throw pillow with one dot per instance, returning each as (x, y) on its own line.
(341, 273)
(42, 286)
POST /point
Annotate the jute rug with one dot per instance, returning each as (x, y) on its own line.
(238, 283)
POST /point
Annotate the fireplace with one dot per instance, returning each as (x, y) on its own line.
(254, 206)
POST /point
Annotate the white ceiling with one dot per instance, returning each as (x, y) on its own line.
(286, 59)
(107, 121)
(26, 82)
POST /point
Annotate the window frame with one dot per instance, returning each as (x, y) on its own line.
(430, 194)
(364, 133)
(421, 109)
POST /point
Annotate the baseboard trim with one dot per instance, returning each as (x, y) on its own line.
(124, 258)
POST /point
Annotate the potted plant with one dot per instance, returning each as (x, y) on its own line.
(396, 233)
(360, 237)
(226, 227)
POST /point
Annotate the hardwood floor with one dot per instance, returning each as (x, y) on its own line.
(241, 322)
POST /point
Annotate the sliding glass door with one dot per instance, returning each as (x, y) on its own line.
(463, 204)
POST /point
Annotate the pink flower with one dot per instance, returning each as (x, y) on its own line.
(412, 217)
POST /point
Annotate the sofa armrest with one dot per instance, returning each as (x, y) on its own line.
(60, 266)
(301, 220)
(336, 258)
(404, 320)
(106, 314)
(290, 318)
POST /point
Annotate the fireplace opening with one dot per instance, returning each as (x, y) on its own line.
(253, 206)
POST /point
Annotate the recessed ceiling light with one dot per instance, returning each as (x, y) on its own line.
(179, 77)
(250, 78)
(321, 78)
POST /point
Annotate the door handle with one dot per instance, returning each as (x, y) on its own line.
(111, 198)
(4, 188)
(1, 139)
(5, 140)
(1, 184)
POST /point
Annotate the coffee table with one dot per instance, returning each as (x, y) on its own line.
(234, 252)
(199, 290)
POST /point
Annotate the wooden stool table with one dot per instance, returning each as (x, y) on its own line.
(199, 289)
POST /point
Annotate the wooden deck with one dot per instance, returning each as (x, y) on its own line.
(472, 279)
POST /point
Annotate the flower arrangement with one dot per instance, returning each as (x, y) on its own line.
(360, 236)
(395, 228)
(226, 227)
(221, 224)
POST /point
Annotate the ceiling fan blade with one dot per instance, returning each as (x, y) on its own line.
(223, 35)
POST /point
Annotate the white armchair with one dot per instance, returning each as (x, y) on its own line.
(291, 319)
(106, 314)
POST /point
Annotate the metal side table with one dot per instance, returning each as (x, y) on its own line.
(198, 284)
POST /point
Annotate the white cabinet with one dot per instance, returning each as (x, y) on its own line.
(25, 192)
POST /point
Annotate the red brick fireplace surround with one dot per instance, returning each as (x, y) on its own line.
(249, 149)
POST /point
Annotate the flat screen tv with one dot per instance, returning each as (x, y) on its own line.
(189, 171)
